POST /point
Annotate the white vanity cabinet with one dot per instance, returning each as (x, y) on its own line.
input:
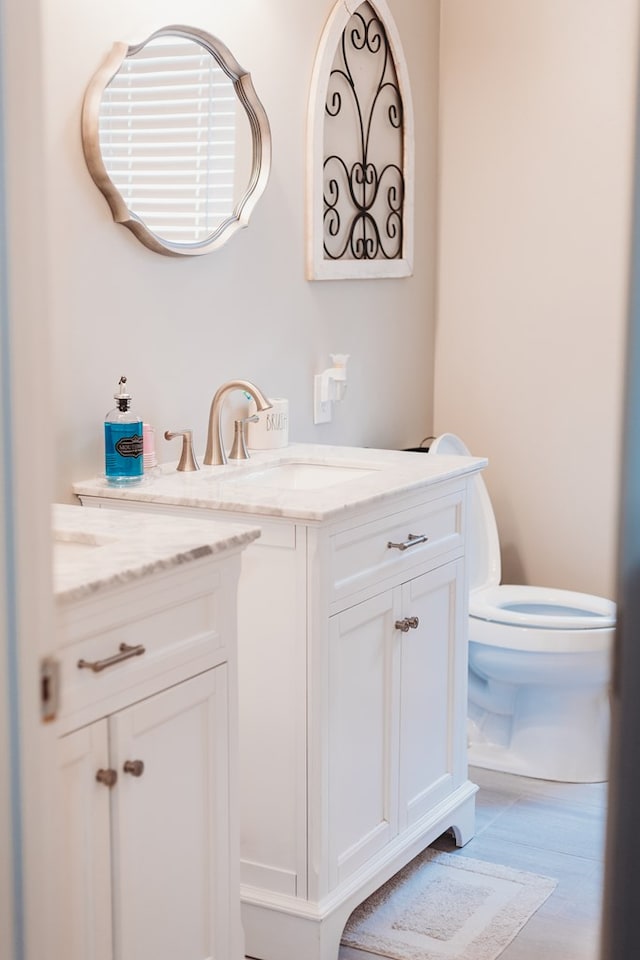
(352, 683)
(146, 741)
(146, 871)
(391, 736)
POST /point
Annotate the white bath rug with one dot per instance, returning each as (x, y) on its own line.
(443, 905)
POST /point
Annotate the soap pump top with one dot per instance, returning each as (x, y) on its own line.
(123, 398)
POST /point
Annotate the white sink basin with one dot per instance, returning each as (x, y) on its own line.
(72, 547)
(302, 476)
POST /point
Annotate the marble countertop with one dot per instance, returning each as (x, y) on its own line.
(364, 477)
(95, 549)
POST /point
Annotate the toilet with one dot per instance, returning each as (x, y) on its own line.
(539, 663)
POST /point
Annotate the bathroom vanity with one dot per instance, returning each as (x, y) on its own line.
(141, 696)
(353, 670)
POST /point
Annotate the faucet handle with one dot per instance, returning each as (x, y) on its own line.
(238, 447)
(187, 460)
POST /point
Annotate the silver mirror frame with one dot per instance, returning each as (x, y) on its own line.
(260, 131)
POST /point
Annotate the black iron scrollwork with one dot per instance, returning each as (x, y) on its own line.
(364, 187)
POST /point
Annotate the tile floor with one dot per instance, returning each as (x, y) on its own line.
(554, 829)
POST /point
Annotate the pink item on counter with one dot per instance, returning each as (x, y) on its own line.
(149, 446)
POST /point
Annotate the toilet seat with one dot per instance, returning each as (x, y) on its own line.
(542, 608)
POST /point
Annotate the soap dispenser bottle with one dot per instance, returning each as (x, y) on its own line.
(123, 440)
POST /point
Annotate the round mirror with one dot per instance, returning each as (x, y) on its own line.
(177, 140)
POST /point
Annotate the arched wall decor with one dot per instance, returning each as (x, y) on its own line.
(360, 151)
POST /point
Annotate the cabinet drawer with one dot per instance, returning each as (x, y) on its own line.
(387, 547)
(174, 626)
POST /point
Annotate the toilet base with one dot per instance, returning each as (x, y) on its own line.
(563, 736)
(489, 756)
(540, 713)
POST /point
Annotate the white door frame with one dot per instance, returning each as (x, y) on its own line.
(10, 861)
(27, 810)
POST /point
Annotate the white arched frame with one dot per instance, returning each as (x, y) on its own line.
(371, 235)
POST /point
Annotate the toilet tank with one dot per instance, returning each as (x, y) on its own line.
(483, 548)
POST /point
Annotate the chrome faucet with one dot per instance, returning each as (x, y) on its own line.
(215, 453)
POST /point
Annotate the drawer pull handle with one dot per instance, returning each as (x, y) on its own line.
(107, 777)
(134, 767)
(126, 652)
(412, 541)
(409, 623)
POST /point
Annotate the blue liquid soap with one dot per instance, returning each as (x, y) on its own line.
(123, 436)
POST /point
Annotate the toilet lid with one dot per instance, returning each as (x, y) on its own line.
(543, 608)
(483, 554)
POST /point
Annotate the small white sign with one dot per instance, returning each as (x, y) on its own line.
(271, 429)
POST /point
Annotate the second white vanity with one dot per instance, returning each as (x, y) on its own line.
(352, 612)
(140, 695)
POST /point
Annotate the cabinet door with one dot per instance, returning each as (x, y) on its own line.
(432, 657)
(363, 734)
(170, 826)
(84, 845)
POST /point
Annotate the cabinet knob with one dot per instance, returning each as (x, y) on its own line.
(134, 767)
(408, 623)
(107, 777)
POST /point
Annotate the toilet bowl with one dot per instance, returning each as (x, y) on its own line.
(539, 663)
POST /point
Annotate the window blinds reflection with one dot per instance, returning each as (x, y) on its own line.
(167, 131)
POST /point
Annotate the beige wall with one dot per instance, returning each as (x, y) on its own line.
(179, 327)
(537, 111)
